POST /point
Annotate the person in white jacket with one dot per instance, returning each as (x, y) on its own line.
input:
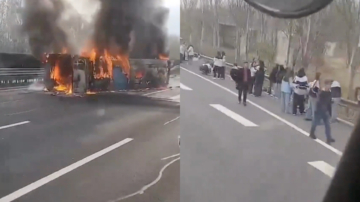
(191, 53)
(253, 70)
(222, 66)
(301, 86)
(218, 63)
(336, 99)
(182, 52)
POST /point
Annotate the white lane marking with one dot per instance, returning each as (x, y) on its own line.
(22, 112)
(176, 97)
(234, 115)
(183, 87)
(323, 167)
(172, 120)
(151, 93)
(13, 125)
(346, 122)
(31, 187)
(142, 190)
(336, 151)
(169, 157)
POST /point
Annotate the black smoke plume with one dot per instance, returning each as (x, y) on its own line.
(142, 21)
(40, 24)
(117, 23)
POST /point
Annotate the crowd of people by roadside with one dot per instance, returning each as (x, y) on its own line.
(317, 101)
(186, 53)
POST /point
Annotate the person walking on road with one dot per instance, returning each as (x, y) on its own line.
(313, 92)
(286, 90)
(336, 97)
(259, 79)
(243, 83)
(322, 112)
(301, 89)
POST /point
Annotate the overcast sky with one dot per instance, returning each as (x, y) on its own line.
(173, 23)
(87, 8)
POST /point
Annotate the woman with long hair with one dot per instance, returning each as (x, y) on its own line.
(286, 90)
(259, 79)
(279, 77)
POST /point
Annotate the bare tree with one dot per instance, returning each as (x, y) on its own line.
(350, 12)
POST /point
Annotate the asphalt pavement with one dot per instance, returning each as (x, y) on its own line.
(98, 148)
(230, 152)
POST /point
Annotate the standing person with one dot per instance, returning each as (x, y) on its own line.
(252, 79)
(191, 53)
(313, 92)
(217, 64)
(259, 79)
(301, 87)
(286, 90)
(243, 84)
(182, 52)
(272, 79)
(279, 77)
(235, 74)
(222, 67)
(336, 98)
(322, 112)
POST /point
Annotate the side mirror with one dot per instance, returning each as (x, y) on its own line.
(289, 8)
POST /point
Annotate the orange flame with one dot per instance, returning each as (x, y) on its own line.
(125, 63)
(108, 61)
(163, 57)
(139, 75)
(62, 84)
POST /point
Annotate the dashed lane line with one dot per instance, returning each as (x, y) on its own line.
(331, 148)
(245, 122)
(14, 124)
(35, 185)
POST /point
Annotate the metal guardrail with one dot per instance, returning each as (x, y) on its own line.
(19, 77)
(349, 111)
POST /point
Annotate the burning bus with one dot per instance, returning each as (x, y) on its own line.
(92, 73)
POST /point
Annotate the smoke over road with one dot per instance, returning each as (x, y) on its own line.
(40, 23)
(134, 27)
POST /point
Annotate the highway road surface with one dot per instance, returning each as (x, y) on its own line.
(230, 152)
(103, 148)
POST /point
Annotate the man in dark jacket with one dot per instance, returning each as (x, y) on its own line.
(322, 112)
(243, 83)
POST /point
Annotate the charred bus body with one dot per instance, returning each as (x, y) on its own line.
(71, 73)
